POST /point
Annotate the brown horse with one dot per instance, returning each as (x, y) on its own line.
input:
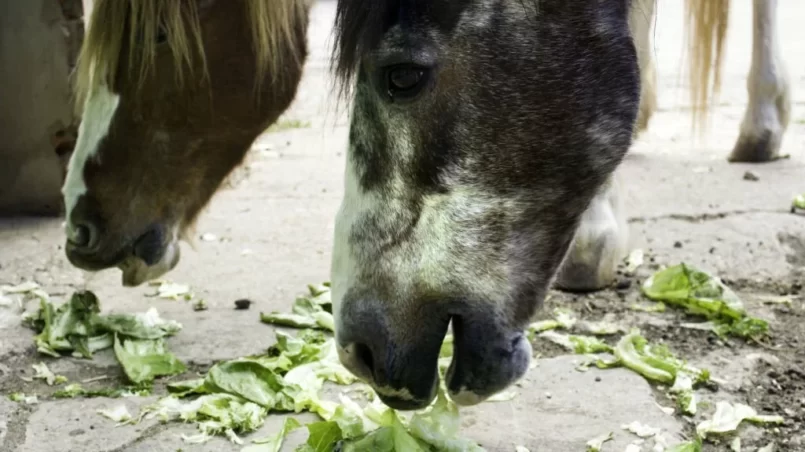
(172, 93)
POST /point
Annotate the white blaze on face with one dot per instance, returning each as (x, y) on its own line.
(354, 204)
(99, 109)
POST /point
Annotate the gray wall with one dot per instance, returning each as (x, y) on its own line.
(37, 47)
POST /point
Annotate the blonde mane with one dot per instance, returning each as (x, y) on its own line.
(273, 25)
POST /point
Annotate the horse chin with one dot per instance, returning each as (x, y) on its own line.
(136, 271)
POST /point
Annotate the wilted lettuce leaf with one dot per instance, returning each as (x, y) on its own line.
(746, 327)
(77, 327)
(300, 349)
(600, 328)
(728, 417)
(391, 436)
(148, 325)
(274, 442)
(20, 397)
(291, 320)
(798, 202)
(658, 363)
(213, 414)
(380, 440)
(186, 387)
(313, 310)
(143, 360)
(597, 443)
(119, 414)
(171, 291)
(439, 426)
(576, 343)
(251, 381)
(702, 294)
(43, 372)
(433, 429)
(351, 419)
(687, 446)
(563, 318)
(289, 352)
(685, 396)
(322, 436)
(633, 261)
(654, 362)
(69, 327)
(641, 430)
(76, 390)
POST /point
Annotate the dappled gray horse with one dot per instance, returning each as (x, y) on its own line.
(483, 142)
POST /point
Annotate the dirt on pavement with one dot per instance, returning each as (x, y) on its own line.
(772, 379)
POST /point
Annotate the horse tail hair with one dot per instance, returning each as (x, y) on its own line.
(705, 32)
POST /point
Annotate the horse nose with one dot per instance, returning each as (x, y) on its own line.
(84, 225)
(400, 389)
(378, 346)
(362, 339)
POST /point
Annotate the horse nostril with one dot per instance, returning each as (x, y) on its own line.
(82, 235)
(150, 246)
(359, 360)
(364, 355)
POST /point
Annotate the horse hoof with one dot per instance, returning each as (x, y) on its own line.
(764, 147)
(582, 278)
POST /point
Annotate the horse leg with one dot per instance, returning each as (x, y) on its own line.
(768, 111)
(600, 243)
(641, 20)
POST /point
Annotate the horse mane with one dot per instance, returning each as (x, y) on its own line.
(359, 25)
(136, 25)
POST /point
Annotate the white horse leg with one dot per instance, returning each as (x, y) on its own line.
(641, 22)
(768, 112)
(600, 243)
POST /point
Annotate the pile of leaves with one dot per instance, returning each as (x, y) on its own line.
(235, 396)
(696, 292)
(77, 328)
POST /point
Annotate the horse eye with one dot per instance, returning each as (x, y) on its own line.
(405, 78)
(405, 82)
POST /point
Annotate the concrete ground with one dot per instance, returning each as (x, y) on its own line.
(273, 229)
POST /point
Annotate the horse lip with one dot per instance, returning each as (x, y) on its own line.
(136, 271)
(151, 246)
(95, 261)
